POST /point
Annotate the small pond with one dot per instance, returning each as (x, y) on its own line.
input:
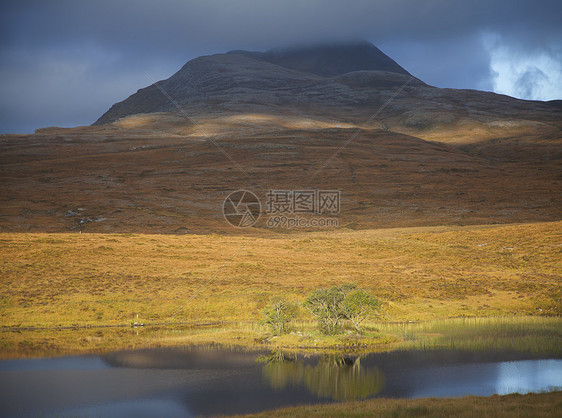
(208, 381)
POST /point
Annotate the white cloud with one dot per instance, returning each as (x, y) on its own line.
(532, 75)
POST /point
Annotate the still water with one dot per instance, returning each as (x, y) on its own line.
(207, 381)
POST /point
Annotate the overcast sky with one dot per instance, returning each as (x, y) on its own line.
(64, 63)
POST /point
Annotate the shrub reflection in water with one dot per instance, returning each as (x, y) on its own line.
(334, 376)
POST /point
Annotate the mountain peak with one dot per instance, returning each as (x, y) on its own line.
(330, 59)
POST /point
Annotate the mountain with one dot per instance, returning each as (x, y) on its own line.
(343, 81)
(274, 78)
(339, 117)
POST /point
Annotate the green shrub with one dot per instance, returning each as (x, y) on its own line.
(279, 313)
(344, 302)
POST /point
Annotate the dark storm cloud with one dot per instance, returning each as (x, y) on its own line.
(65, 62)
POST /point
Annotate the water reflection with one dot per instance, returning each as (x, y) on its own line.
(201, 381)
(335, 377)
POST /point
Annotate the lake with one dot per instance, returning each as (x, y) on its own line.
(210, 380)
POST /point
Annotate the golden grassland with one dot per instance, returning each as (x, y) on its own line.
(420, 274)
(508, 406)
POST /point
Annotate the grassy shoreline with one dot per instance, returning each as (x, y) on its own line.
(508, 406)
(535, 335)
